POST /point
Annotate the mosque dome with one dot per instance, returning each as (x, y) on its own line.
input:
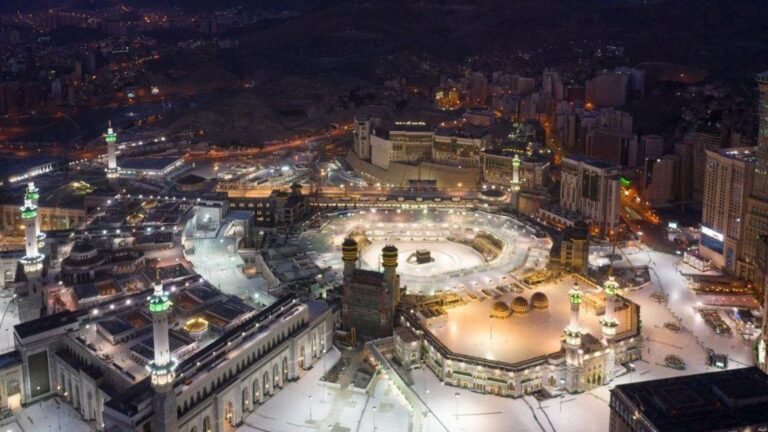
(539, 301)
(520, 306)
(500, 310)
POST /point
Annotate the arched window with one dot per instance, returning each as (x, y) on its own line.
(207, 424)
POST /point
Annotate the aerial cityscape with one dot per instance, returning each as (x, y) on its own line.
(383, 215)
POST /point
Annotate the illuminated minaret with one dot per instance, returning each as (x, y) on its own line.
(515, 184)
(162, 367)
(608, 321)
(30, 294)
(389, 255)
(111, 138)
(609, 324)
(33, 195)
(349, 255)
(573, 351)
(389, 262)
(516, 174)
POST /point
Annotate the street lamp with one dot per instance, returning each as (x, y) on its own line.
(457, 406)
(310, 408)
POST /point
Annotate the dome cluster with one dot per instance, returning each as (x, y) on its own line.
(520, 306)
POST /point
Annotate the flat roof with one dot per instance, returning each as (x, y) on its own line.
(149, 163)
(730, 399)
(13, 165)
(470, 330)
(597, 163)
(47, 323)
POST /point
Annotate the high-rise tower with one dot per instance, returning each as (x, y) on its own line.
(162, 368)
(754, 224)
(30, 294)
(573, 334)
(111, 138)
(760, 189)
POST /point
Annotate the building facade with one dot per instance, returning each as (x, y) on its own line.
(214, 385)
(728, 181)
(756, 221)
(591, 188)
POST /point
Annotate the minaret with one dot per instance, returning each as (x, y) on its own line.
(33, 195)
(349, 255)
(30, 295)
(111, 139)
(515, 187)
(389, 262)
(609, 324)
(573, 342)
(162, 367)
(388, 307)
(608, 321)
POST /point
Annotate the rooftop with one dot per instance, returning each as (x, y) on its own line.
(469, 330)
(743, 154)
(726, 400)
(592, 162)
(149, 163)
(14, 165)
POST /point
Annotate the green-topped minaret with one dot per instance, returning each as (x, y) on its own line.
(162, 368)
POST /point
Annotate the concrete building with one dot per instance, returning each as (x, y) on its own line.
(582, 361)
(700, 141)
(591, 188)
(658, 184)
(219, 363)
(756, 221)
(684, 178)
(761, 265)
(459, 146)
(51, 218)
(407, 141)
(15, 170)
(730, 400)
(646, 147)
(610, 145)
(369, 298)
(479, 116)
(363, 126)
(150, 167)
(728, 182)
(498, 169)
(574, 248)
(607, 89)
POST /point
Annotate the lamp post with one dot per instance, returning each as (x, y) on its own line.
(374, 419)
(457, 405)
(310, 408)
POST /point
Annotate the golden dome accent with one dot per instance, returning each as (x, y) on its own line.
(520, 306)
(539, 301)
(500, 310)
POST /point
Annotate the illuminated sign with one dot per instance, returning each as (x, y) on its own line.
(625, 181)
(712, 233)
(672, 225)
